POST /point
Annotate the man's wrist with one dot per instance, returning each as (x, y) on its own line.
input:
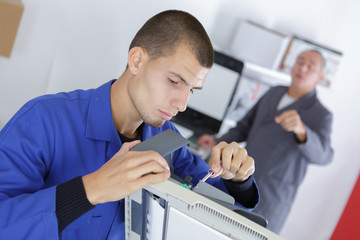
(71, 202)
(301, 136)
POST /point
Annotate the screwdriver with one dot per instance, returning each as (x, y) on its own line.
(209, 174)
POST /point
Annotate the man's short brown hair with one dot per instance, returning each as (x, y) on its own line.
(164, 32)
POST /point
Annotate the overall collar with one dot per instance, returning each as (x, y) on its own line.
(303, 102)
(100, 124)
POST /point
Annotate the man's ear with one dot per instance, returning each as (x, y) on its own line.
(321, 77)
(136, 57)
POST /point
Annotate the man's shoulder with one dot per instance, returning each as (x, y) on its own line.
(321, 109)
(277, 89)
(74, 96)
(57, 99)
(272, 92)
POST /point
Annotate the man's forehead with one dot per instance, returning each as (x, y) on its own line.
(310, 55)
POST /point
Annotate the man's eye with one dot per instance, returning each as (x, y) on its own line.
(172, 81)
(311, 67)
(192, 91)
(300, 61)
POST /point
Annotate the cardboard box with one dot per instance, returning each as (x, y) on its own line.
(10, 16)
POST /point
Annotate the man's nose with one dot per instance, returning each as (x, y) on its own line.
(181, 101)
(304, 68)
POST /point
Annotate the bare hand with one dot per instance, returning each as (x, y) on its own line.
(206, 141)
(231, 162)
(291, 122)
(125, 173)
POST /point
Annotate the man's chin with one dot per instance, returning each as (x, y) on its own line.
(156, 124)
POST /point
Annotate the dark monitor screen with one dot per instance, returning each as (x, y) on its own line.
(207, 108)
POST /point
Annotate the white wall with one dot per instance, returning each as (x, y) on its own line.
(64, 45)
